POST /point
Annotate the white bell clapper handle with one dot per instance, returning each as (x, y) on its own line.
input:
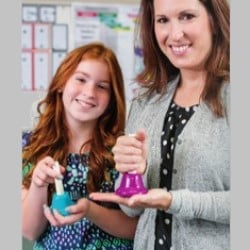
(58, 182)
(133, 171)
(61, 200)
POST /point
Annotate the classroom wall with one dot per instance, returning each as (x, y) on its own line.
(79, 1)
(29, 98)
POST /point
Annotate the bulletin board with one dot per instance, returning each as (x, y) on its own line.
(51, 29)
(44, 43)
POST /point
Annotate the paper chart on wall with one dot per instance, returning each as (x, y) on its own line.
(112, 24)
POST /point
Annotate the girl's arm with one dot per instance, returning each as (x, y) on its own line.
(33, 220)
(112, 221)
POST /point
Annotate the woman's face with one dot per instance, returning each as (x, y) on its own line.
(87, 92)
(183, 31)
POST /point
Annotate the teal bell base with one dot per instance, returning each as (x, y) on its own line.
(60, 202)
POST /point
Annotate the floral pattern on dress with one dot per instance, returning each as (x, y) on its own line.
(83, 234)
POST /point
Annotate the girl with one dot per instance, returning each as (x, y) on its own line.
(79, 120)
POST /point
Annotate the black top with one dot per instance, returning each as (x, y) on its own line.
(175, 120)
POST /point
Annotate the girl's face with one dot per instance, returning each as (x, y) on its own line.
(183, 32)
(86, 94)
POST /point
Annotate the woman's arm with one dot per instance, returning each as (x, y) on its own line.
(211, 206)
(185, 204)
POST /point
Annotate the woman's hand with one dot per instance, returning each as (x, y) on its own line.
(154, 198)
(44, 174)
(130, 152)
(76, 212)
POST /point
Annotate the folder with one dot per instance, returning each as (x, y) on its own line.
(42, 36)
(26, 36)
(57, 58)
(60, 37)
(41, 70)
(47, 14)
(26, 67)
(29, 13)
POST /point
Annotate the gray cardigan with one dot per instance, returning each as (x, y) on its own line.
(200, 182)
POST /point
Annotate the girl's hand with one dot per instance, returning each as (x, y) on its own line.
(44, 174)
(130, 152)
(76, 212)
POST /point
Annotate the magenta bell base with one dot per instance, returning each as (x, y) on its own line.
(131, 184)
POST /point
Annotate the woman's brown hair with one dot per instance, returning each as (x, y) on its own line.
(158, 70)
(51, 135)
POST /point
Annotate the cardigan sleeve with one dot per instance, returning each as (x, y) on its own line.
(212, 206)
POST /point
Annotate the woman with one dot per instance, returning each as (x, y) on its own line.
(180, 119)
